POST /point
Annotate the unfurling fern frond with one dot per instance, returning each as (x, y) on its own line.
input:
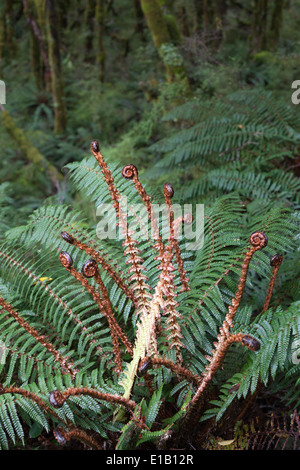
(99, 333)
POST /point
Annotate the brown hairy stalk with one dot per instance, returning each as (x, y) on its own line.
(258, 241)
(275, 262)
(101, 260)
(140, 287)
(177, 369)
(67, 367)
(90, 269)
(103, 304)
(115, 195)
(53, 294)
(27, 394)
(57, 398)
(63, 436)
(168, 288)
(131, 172)
(168, 194)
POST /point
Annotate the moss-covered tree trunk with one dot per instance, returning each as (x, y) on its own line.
(276, 23)
(39, 56)
(2, 38)
(175, 69)
(36, 62)
(57, 85)
(28, 150)
(11, 43)
(258, 40)
(100, 15)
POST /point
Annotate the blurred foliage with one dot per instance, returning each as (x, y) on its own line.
(233, 130)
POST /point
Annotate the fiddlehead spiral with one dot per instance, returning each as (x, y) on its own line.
(129, 172)
(258, 239)
(66, 260)
(90, 268)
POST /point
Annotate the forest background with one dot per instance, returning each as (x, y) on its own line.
(113, 70)
(203, 94)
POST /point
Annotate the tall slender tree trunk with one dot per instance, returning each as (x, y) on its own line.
(57, 85)
(259, 26)
(175, 69)
(100, 15)
(276, 23)
(2, 39)
(39, 56)
(11, 43)
(89, 16)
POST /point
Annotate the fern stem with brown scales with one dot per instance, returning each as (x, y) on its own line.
(258, 241)
(139, 280)
(53, 294)
(32, 396)
(90, 269)
(57, 398)
(177, 369)
(140, 287)
(64, 435)
(67, 368)
(275, 262)
(168, 289)
(104, 306)
(115, 195)
(215, 362)
(168, 194)
(131, 172)
(101, 260)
